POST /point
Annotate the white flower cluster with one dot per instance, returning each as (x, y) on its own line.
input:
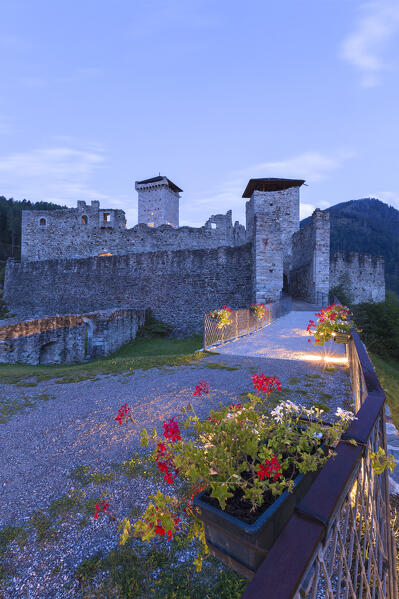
(286, 408)
(344, 415)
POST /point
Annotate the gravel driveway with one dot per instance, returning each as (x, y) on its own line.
(45, 442)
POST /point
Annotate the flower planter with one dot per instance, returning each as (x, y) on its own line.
(342, 337)
(244, 546)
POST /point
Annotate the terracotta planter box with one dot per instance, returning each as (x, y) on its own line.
(244, 546)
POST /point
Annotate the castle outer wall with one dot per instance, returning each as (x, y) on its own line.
(178, 286)
(362, 276)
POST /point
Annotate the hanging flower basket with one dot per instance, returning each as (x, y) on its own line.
(259, 310)
(222, 316)
(332, 322)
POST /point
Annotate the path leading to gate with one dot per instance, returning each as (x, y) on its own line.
(285, 339)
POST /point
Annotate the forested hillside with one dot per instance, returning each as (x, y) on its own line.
(10, 224)
(367, 226)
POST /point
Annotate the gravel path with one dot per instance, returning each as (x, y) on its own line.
(43, 443)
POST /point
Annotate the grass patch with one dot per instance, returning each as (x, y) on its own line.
(294, 380)
(156, 574)
(325, 396)
(86, 475)
(41, 524)
(66, 503)
(139, 466)
(139, 354)
(9, 407)
(388, 374)
(12, 533)
(219, 365)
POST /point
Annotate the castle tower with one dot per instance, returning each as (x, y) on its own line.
(272, 215)
(158, 202)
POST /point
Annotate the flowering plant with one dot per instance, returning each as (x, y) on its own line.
(259, 310)
(330, 321)
(223, 317)
(245, 452)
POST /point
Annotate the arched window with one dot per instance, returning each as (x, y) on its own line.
(42, 222)
(84, 219)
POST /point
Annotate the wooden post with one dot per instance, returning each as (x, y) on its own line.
(204, 332)
(236, 324)
(248, 322)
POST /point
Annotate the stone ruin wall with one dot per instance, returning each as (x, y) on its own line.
(179, 286)
(361, 275)
(66, 235)
(66, 339)
(310, 273)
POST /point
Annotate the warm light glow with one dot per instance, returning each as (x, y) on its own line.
(327, 359)
(104, 254)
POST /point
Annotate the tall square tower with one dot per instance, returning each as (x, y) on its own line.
(158, 202)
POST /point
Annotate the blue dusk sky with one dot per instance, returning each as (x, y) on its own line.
(97, 94)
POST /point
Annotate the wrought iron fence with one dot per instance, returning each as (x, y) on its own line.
(339, 543)
(244, 322)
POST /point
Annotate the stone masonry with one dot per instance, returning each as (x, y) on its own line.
(309, 276)
(84, 259)
(69, 338)
(179, 286)
(361, 275)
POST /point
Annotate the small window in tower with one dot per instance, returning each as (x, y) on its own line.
(213, 225)
(107, 217)
(152, 214)
(42, 222)
(84, 219)
(150, 224)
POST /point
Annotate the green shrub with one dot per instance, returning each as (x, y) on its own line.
(379, 326)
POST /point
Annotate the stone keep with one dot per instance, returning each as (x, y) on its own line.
(158, 202)
(272, 217)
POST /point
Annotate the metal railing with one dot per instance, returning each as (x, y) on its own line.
(339, 543)
(243, 323)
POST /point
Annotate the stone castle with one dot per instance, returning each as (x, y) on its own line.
(84, 259)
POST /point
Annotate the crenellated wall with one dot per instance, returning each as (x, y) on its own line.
(70, 338)
(88, 231)
(179, 286)
(361, 275)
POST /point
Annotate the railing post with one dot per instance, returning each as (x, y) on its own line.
(236, 324)
(204, 332)
(248, 321)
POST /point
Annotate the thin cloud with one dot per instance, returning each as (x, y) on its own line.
(364, 47)
(59, 174)
(311, 166)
